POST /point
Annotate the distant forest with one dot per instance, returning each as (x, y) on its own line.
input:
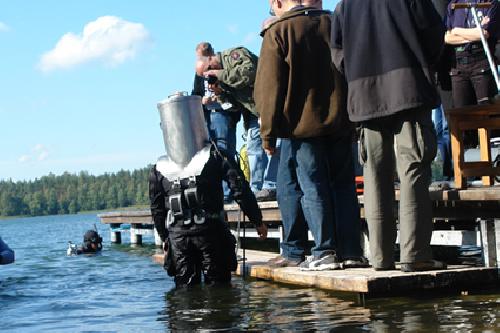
(71, 193)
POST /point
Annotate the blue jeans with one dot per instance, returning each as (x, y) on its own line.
(271, 172)
(289, 195)
(443, 140)
(312, 175)
(222, 130)
(257, 158)
(345, 199)
(340, 188)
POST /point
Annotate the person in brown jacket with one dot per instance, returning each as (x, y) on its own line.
(302, 97)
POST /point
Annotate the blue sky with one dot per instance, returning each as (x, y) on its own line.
(80, 79)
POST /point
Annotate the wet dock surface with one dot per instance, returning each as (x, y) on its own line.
(366, 280)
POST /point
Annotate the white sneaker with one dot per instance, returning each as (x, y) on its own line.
(327, 261)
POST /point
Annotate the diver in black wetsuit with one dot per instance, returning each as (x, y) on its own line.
(187, 201)
(92, 243)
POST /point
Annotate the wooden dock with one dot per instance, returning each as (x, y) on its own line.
(462, 217)
(367, 281)
(468, 217)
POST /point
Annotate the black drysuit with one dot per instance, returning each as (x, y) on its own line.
(207, 247)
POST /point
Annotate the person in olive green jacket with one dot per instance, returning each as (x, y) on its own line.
(235, 70)
(231, 76)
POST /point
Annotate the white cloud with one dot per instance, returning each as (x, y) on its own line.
(232, 29)
(250, 38)
(24, 159)
(39, 153)
(108, 39)
(4, 27)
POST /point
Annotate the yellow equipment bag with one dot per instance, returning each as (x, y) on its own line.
(245, 167)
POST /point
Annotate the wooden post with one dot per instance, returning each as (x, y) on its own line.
(116, 236)
(135, 237)
(497, 238)
(489, 242)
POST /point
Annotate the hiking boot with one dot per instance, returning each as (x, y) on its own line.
(431, 265)
(267, 194)
(359, 262)
(281, 261)
(326, 261)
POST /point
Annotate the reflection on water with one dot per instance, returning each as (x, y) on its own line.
(123, 291)
(262, 306)
(254, 305)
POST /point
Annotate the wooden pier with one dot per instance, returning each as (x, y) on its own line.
(462, 217)
(367, 281)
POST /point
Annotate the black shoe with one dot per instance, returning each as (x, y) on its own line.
(266, 195)
(431, 265)
(281, 261)
(357, 262)
(385, 268)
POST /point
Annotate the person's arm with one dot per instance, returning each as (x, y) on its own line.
(6, 254)
(243, 195)
(157, 202)
(453, 39)
(336, 44)
(270, 88)
(241, 72)
(468, 34)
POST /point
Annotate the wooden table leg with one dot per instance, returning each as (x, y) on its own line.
(484, 148)
(457, 153)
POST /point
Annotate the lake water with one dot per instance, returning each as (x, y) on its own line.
(122, 290)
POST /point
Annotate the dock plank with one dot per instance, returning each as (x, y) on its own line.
(366, 280)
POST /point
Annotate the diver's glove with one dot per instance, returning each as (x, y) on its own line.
(261, 230)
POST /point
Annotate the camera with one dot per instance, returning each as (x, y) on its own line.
(211, 79)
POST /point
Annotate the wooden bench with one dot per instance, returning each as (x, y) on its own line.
(481, 118)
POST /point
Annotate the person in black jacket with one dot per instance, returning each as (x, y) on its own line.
(187, 204)
(388, 51)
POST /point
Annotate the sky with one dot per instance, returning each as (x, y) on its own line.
(80, 79)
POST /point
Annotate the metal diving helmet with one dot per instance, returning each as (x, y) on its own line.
(185, 134)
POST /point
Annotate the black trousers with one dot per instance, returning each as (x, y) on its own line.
(472, 82)
(211, 254)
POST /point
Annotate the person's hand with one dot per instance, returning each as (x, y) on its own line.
(205, 100)
(270, 151)
(261, 231)
(215, 88)
(213, 72)
(485, 20)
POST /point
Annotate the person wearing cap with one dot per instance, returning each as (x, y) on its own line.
(472, 79)
(6, 254)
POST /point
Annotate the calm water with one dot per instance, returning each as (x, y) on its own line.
(123, 291)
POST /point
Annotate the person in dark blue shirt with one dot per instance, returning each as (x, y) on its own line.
(472, 79)
(6, 254)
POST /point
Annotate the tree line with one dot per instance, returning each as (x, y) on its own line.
(72, 193)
